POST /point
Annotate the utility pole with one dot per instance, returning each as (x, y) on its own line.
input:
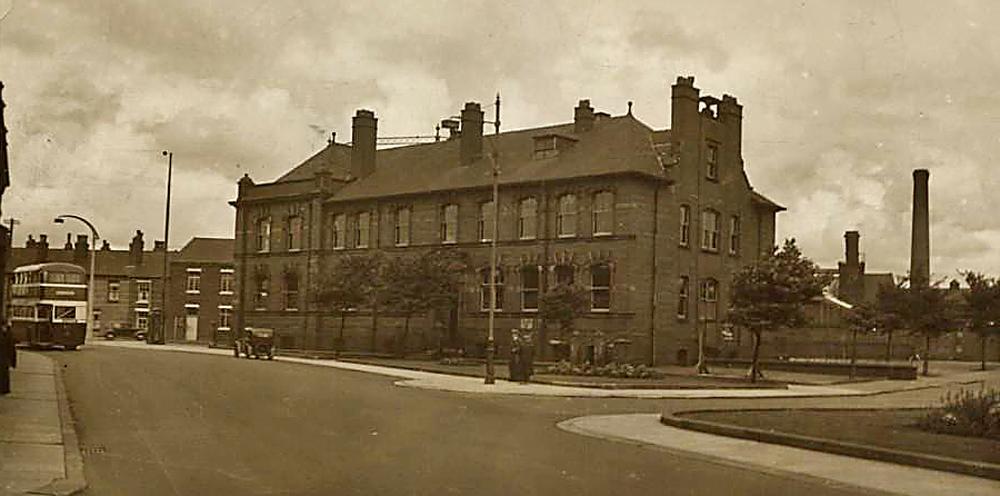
(12, 222)
(166, 254)
(495, 159)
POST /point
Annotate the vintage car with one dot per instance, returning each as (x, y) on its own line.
(256, 341)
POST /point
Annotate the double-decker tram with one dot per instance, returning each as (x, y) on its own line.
(48, 305)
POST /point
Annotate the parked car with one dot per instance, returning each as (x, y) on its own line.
(123, 332)
(256, 341)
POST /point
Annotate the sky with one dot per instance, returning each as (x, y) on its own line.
(842, 100)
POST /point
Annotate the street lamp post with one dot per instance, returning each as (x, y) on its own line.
(166, 252)
(90, 285)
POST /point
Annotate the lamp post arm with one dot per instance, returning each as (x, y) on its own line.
(93, 230)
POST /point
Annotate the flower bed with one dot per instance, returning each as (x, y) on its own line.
(618, 370)
(966, 413)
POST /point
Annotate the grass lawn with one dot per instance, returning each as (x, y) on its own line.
(893, 429)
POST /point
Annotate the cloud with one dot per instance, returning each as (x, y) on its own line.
(841, 100)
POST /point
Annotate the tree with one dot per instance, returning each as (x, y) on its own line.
(982, 309)
(862, 318)
(772, 294)
(345, 286)
(890, 305)
(418, 283)
(563, 304)
(929, 315)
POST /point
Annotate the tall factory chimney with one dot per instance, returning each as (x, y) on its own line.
(920, 246)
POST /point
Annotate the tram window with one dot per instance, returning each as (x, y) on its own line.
(67, 313)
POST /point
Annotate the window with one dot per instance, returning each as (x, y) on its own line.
(226, 283)
(734, 235)
(449, 224)
(603, 213)
(566, 218)
(527, 219)
(114, 291)
(142, 290)
(709, 298)
(545, 147)
(710, 230)
(402, 228)
(712, 162)
(142, 321)
(291, 291)
(225, 316)
(361, 229)
(682, 298)
(600, 288)
(339, 232)
(484, 290)
(564, 274)
(264, 235)
(260, 295)
(530, 285)
(194, 282)
(486, 221)
(294, 233)
(685, 238)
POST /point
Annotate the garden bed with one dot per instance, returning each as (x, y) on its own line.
(887, 429)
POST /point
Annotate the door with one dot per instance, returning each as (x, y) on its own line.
(191, 325)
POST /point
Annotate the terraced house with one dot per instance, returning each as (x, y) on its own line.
(652, 222)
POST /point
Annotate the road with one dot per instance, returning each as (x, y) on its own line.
(161, 423)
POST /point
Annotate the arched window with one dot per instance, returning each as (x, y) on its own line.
(600, 288)
(603, 213)
(527, 218)
(530, 286)
(484, 290)
(566, 218)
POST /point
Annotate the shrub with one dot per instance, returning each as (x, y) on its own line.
(616, 370)
(966, 413)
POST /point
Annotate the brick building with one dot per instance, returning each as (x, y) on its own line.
(202, 281)
(652, 222)
(127, 282)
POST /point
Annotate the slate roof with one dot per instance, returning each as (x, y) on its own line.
(335, 158)
(213, 250)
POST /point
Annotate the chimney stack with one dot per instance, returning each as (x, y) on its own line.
(920, 246)
(471, 148)
(42, 252)
(105, 246)
(69, 242)
(583, 117)
(852, 254)
(81, 248)
(135, 248)
(159, 245)
(364, 129)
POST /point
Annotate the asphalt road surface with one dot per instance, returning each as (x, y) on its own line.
(162, 423)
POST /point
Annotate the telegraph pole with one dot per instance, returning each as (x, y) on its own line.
(495, 159)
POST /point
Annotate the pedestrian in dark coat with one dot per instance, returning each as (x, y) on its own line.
(516, 364)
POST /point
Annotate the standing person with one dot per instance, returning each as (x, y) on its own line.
(8, 358)
(528, 354)
(515, 365)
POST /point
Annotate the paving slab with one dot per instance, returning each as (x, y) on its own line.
(883, 477)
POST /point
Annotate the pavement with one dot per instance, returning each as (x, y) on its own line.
(39, 453)
(38, 444)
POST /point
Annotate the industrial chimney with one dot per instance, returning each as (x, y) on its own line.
(920, 247)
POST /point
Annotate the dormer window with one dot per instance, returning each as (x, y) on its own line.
(549, 145)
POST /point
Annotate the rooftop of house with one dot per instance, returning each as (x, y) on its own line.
(614, 145)
(206, 250)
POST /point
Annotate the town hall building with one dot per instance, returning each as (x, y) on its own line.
(652, 222)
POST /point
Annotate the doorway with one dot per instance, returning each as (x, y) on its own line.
(191, 325)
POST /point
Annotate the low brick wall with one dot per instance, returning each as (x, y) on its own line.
(891, 371)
